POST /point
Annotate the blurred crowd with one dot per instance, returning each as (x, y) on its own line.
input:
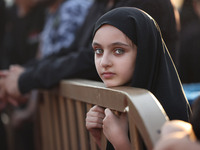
(35, 33)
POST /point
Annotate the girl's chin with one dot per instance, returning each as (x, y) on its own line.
(107, 84)
(114, 84)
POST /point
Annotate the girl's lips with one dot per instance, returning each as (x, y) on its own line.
(107, 75)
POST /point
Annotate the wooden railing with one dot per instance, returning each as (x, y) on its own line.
(62, 112)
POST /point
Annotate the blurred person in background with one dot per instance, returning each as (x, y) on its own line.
(24, 22)
(60, 19)
(62, 22)
(3, 19)
(3, 142)
(189, 50)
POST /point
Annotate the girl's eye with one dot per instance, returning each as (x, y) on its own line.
(98, 51)
(119, 51)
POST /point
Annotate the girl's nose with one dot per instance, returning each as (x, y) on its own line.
(105, 61)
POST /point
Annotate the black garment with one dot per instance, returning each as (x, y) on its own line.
(187, 13)
(189, 53)
(3, 19)
(154, 69)
(3, 138)
(2, 25)
(22, 36)
(163, 12)
(77, 61)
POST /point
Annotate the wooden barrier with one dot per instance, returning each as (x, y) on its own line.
(62, 113)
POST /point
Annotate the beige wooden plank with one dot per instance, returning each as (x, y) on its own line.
(93, 94)
(49, 125)
(148, 116)
(80, 107)
(45, 123)
(72, 125)
(103, 141)
(56, 122)
(133, 135)
(64, 124)
(43, 129)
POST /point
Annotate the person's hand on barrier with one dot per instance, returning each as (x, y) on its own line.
(3, 74)
(3, 100)
(9, 92)
(4, 97)
(94, 122)
(11, 81)
(115, 125)
(176, 135)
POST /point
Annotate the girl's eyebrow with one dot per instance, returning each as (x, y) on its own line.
(96, 44)
(120, 43)
(112, 44)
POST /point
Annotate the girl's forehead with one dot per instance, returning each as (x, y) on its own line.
(111, 34)
(108, 30)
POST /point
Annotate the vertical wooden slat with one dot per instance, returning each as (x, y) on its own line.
(103, 141)
(72, 124)
(64, 124)
(134, 133)
(56, 122)
(38, 130)
(43, 122)
(81, 125)
(49, 125)
(134, 137)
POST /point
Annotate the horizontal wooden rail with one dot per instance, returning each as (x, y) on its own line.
(62, 114)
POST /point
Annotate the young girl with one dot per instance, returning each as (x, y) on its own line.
(129, 50)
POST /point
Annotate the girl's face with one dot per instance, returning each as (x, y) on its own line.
(115, 56)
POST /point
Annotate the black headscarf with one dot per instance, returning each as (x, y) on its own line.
(154, 69)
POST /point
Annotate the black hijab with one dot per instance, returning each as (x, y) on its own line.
(154, 69)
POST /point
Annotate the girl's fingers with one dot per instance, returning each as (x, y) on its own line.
(92, 125)
(107, 111)
(97, 109)
(93, 122)
(94, 119)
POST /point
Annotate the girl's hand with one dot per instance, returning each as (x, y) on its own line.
(115, 129)
(94, 122)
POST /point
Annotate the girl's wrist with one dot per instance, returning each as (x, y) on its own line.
(122, 143)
